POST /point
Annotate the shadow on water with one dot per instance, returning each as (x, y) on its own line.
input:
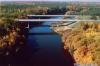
(31, 55)
(20, 58)
(69, 58)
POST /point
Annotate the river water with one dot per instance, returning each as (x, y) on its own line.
(48, 48)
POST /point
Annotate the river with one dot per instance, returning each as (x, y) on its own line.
(48, 48)
(40, 50)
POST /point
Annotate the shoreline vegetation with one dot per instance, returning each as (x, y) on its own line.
(10, 35)
(82, 40)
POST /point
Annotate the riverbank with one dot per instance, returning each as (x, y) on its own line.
(83, 42)
(11, 36)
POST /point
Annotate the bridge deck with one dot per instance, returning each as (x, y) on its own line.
(54, 15)
(50, 20)
(49, 15)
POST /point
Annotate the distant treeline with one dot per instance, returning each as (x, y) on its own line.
(21, 10)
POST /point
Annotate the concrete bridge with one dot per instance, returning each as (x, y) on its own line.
(29, 23)
(53, 20)
(38, 22)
